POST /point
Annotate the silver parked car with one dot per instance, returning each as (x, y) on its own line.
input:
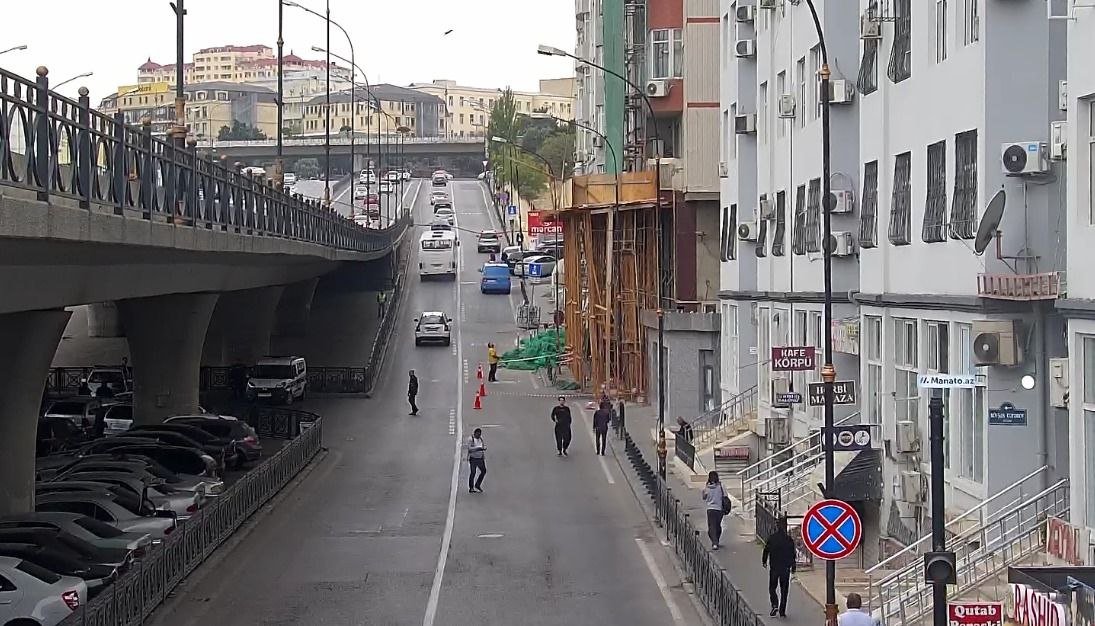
(204, 485)
(432, 326)
(103, 507)
(98, 534)
(36, 595)
(142, 484)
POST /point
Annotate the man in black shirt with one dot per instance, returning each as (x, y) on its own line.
(561, 416)
(602, 417)
(779, 557)
(412, 391)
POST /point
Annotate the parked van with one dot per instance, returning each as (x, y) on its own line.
(279, 379)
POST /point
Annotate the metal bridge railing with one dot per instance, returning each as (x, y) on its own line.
(54, 146)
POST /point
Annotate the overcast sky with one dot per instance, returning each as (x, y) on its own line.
(493, 43)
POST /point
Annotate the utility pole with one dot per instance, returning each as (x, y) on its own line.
(279, 163)
(180, 76)
(939, 565)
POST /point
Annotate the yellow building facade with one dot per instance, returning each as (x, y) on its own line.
(468, 108)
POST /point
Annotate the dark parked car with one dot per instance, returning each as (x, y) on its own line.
(95, 575)
(175, 458)
(56, 434)
(67, 544)
(137, 465)
(227, 427)
(217, 447)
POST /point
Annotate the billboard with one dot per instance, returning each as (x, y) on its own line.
(539, 224)
(144, 88)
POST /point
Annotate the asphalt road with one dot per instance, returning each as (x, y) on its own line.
(381, 531)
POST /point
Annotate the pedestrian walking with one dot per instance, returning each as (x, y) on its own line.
(412, 391)
(477, 461)
(779, 558)
(855, 615)
(492, 359)
(84, 389)
(561, 416)
(381, 301)
(104, 391)
(601, 419)
(718, 505)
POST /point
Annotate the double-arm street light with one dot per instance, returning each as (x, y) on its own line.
(557, 52)
(14, 48)
(353, 106)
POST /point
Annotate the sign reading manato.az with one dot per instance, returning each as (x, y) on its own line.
(975, 614)
(793, 359)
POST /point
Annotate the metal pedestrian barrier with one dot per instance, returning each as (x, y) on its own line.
(137, 593)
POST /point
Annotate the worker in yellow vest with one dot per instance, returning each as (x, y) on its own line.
(492, 358)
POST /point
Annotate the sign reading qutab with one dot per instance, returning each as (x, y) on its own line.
(975, 614)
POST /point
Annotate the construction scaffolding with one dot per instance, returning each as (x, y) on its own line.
(610, 272)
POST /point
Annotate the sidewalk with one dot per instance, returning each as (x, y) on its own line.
(740, 553)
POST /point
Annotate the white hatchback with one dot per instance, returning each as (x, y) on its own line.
(34, 595)
(432, 326)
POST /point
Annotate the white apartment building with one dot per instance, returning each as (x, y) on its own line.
(590, 152)
(1079, 307)
(926, 96)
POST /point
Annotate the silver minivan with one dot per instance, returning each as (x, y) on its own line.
(279, 379)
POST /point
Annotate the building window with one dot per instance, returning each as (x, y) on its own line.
(1089, 423)
(762, 234)
(729, 232)
(708, 388)
(781, 90)
(938, 362)
(800, 80)
(873, 352)
(781, 224)
(798, 236)
(727, 134)
(935, 203)
(940, 31)
(901, 206)
(906, 364)
(868, 217)
(813, 217)
(729, 341)
(762, 113)
(666, 53)
(969, 419)
(461, 118)
(868, 64)
(764, 351)
(964, 207)
(901, 54)
(971, 22)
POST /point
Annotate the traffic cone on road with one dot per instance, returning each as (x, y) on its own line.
(478, 403)
(482, 390)
(479, 372)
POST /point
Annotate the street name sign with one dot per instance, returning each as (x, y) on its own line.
(946, 381)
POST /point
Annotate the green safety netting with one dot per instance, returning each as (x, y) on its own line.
(540, 350)
(567, 385)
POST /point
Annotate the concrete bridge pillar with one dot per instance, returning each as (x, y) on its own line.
(166, 335)
(27, 342)
(240, 328)
(102, 320)
(294, 308)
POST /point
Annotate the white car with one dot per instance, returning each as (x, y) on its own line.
(406, 174)
(445, 213)
(440, 199)
(34, 595)
(386, 187)
(394, 176)
(289, 179)
(432, 326)
(360, 191)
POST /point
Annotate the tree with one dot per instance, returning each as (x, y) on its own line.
(558, 149)
(307, 168)
(239, 132)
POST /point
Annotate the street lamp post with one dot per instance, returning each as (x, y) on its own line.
(69, 80)
(179, 131)
(14, 48)
(353, 104)
(279, 162)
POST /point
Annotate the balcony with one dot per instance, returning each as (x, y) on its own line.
(1024, 287)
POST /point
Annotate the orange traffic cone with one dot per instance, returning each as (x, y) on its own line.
(482, 390)
(479, 372)
(478, 404)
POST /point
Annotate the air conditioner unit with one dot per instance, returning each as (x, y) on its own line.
(907, 440)
(994, 342)
(912, 486)
(764, 208)
(657, 88)
(724, 171)
(769, 5)
(842, 243)
(1022, 158)
(841, 201)
(745, 13)
(778, 430)
(841, 91)
(786, 106)
(1058, 141)
(747, 231)
(745, 124)
(1058, 382)
(745, 47)
(869, 28)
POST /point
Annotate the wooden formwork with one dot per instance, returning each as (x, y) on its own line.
(610, 274)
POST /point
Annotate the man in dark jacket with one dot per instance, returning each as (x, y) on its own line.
(561, 416)
(412, 391)
(779, 557)
(601, 419)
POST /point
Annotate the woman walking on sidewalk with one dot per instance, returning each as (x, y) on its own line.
(717, 507)
(477, 461)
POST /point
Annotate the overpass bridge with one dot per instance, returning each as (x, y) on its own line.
(455, 153)
(182, 251)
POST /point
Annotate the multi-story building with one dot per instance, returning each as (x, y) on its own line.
(935, 108)
(209, 107)
(600, 38)
(400, 106)
(468, 108)
(235, 64)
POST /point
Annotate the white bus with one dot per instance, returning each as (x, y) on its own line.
(437, 253)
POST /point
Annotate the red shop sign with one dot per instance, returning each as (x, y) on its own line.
(793, 359)
(975, 613)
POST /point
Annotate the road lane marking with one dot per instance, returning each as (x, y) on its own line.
(601, 459)
(450, 517)
(452, 421)
(674, 611)
(491, 536)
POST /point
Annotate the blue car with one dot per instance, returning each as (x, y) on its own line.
(495, 278)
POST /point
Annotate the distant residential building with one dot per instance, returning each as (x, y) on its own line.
(420, 112)
(210, 106)
(235, 64)
(468, 108)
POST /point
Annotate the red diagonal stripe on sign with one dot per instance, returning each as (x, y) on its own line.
(830, 530)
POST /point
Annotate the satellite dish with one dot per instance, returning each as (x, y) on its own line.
(990, 222)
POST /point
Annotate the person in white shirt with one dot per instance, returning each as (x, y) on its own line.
(855, 615)
(477, 460)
